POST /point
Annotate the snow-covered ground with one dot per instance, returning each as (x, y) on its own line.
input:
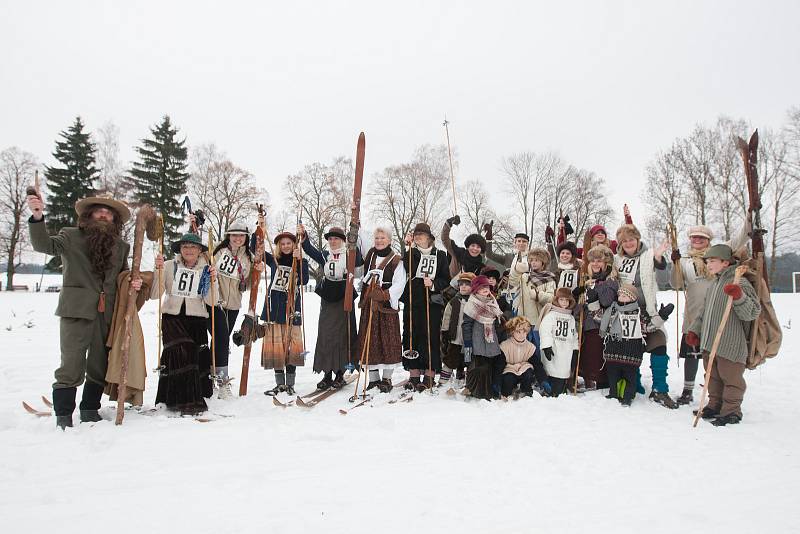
(572, 464)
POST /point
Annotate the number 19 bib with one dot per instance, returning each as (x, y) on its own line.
(568, 279)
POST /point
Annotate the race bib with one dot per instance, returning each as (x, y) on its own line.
(226, 265)
(631, 326)
(568, 279)
(373, 274)
(336, 266)
(561, 329)
(426, 266)
(627, 269)
(185, 283)
(280, 281)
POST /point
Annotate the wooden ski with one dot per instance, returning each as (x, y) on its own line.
(355, 221)
(255, 279)
(33, 411)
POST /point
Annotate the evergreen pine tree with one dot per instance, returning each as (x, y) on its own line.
(159, 177)
(73, 180)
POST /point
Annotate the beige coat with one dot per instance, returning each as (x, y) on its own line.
(228, 294)
(196, 307)
(517, 355)
(532, 298)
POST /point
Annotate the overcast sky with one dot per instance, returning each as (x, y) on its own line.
(279, 85)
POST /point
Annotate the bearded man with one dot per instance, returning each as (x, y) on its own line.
(92, 255)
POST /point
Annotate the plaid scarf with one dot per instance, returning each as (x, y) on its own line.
(486, 311)
(699, 264)
(538, 278)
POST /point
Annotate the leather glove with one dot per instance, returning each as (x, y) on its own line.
(675, 256)
(591, 295)
(549, 234)
(488, 228)
(578, 291)
(454, 220)
(733, 290)
(665, 311)
(548, 353)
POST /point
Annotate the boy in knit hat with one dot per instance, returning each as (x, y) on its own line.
(451, 335)
(559, 342)
(520, 359)
(726, 385)
(623, 346)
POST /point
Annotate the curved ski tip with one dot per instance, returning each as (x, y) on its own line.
(343, 412)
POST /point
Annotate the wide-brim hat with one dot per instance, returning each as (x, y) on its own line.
(191, 238)
(423, 228)
(282, 235)
(119, 207)
(475, 239)
(335, 231)
(237, 228)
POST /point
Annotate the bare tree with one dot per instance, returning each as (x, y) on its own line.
(664, 193)
(224, 191)
(527, 177)
(112, 172)
(589, 202)
(17, 169)
(473, 203)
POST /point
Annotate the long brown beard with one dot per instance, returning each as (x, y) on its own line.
(101, 237)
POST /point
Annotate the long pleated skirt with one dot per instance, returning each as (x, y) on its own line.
(185, 366)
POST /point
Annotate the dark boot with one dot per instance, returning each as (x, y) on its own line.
(730, 419)
(326, 382)
(707, 413)
(91, 396)
(90, 416)
(64, 421)
(338, 382)
(385, 385)
(685, 398)
(64, 401)
(663, 399)
(428, 382)
(412, 383)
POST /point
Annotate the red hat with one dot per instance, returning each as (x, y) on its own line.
(479, 282)
(596, 229)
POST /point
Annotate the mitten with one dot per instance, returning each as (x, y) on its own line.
(548, 353)
(733, 290)
(549, 234)
(578, 291)
(665, 311)
(488, 229)
(454, 220)
(591, 295)
(692, 339)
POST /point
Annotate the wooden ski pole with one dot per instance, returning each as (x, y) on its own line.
(428, 327)
(302, 289)
(213, 307)
(740, 271)
(450, 158)
(365, 350)
(673, 237)
(160, 222)
(581, 283)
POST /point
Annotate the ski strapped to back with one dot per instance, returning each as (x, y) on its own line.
(355, 221)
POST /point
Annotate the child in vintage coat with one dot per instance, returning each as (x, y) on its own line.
(480, 328)
(520, 358)
(559, 342)
(623, 347)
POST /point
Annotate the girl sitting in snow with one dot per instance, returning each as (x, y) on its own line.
(559, 342)
(480, 328)
(520, 358)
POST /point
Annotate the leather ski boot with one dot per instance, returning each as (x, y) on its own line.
(280, 388)
(338, 382)
(730, 419)
(663, 399)
(385, 385)
(90, 416)
(412, 383)
(63, 421)
(707, 413)
(685, 398)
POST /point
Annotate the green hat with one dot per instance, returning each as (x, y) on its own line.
(722, 252)
(194, 239)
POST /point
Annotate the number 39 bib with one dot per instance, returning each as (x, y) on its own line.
(185, 283)
(426, 266)
(226, 265)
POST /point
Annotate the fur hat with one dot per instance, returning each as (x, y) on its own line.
(567, 245)
(601, 252)
(424, 228)
(701, 231)
(629, 290)
(119, 208)
(540, 254)
(288, 235)
(490, 272)
(628, 231)
(564, 292)
(516, 322)
(597, 229)
(721, 251)
(465, 277)
(475, 239)
(335, 231)
(478, 282)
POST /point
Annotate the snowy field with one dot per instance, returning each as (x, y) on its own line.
(572, 464)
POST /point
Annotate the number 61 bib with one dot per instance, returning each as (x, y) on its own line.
(185, 283)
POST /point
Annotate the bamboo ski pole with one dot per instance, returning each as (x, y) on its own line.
(450, 158)
(714, 346)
